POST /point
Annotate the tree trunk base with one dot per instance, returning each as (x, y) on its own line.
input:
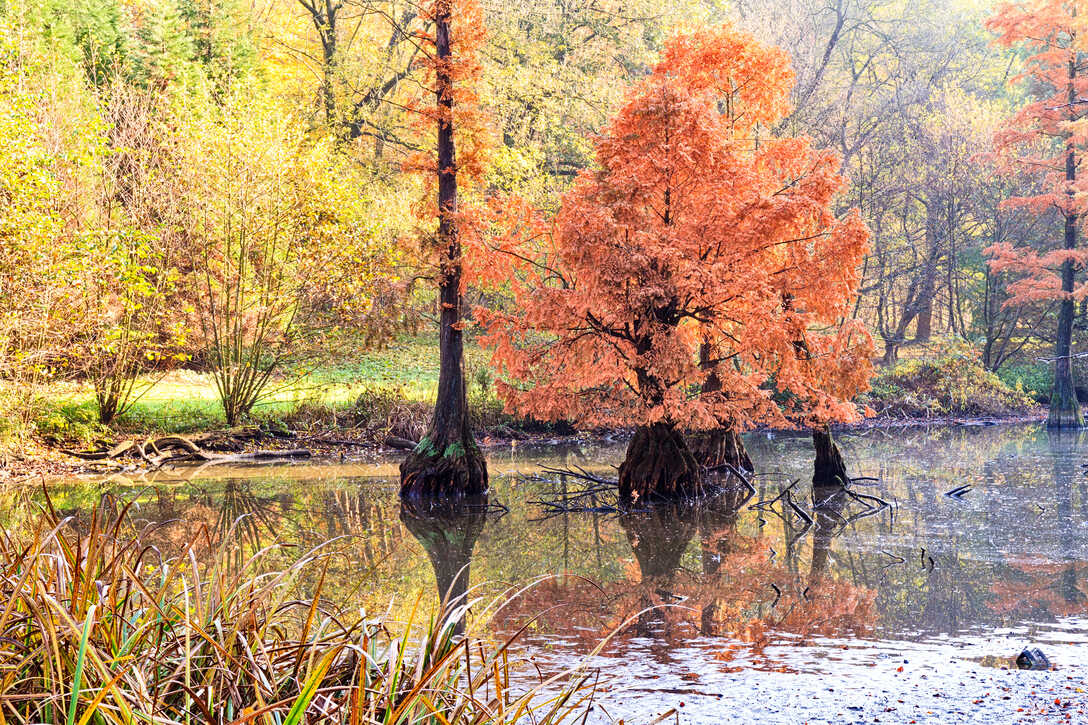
(454, 471)
(829, 469)
(719, 447)
(1065, 409)
(1065, 419)
(659, 466)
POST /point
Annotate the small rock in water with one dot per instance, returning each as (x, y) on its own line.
(1032, 659)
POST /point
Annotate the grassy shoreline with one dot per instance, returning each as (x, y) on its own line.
(101, 626)
(48, 463)
(384, 394)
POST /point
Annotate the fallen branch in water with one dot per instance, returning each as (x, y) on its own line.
(761, 505)
(777, 595)
(742, 476)
(581, 473)
(896, 560)
(799, 511)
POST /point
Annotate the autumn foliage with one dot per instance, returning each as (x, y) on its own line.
(1046, 140)
(447, 461)
(1037, 139)
(453, 80)
(697, 229)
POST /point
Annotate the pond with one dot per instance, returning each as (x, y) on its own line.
(755, 606)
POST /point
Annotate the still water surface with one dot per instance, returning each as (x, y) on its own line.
(731, 607)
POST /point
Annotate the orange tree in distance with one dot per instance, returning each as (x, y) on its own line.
(693, 235)
(447, 462)
(1047, 139)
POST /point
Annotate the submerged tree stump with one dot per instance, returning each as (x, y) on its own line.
(829, 469)
(659, 466)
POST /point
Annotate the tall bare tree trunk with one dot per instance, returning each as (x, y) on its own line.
(447, 462)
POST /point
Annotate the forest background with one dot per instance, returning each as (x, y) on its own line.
(207, 218)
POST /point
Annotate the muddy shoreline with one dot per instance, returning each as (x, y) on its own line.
(335, 444)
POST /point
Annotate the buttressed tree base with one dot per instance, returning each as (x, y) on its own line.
(720, 447)
(444, 466)
(659, 464)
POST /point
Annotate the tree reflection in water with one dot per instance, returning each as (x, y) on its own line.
(739, 598)
(659, 537)
(448, 531)
(1046, 588)
(724, 577)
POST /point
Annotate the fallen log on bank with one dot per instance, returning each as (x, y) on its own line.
(158, 452)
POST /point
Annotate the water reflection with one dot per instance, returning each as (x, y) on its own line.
(448, 534)
(658, 537)
(1048, 588)
(749, 586)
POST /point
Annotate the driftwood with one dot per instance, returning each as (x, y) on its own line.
(157, 452)
(585, 492)
(346, 442)
(114, 452)
(958, 492)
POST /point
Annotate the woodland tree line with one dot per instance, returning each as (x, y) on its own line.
(227, 185)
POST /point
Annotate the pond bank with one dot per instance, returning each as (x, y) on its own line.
(43, 461)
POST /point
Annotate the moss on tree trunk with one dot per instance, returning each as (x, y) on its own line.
(659, 466)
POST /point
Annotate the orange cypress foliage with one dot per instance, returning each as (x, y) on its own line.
(1039, 139)
(460, 76)
(455, 79)
(1047, 139)
(692, 231)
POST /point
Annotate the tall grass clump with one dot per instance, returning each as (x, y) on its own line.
(98, 626)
